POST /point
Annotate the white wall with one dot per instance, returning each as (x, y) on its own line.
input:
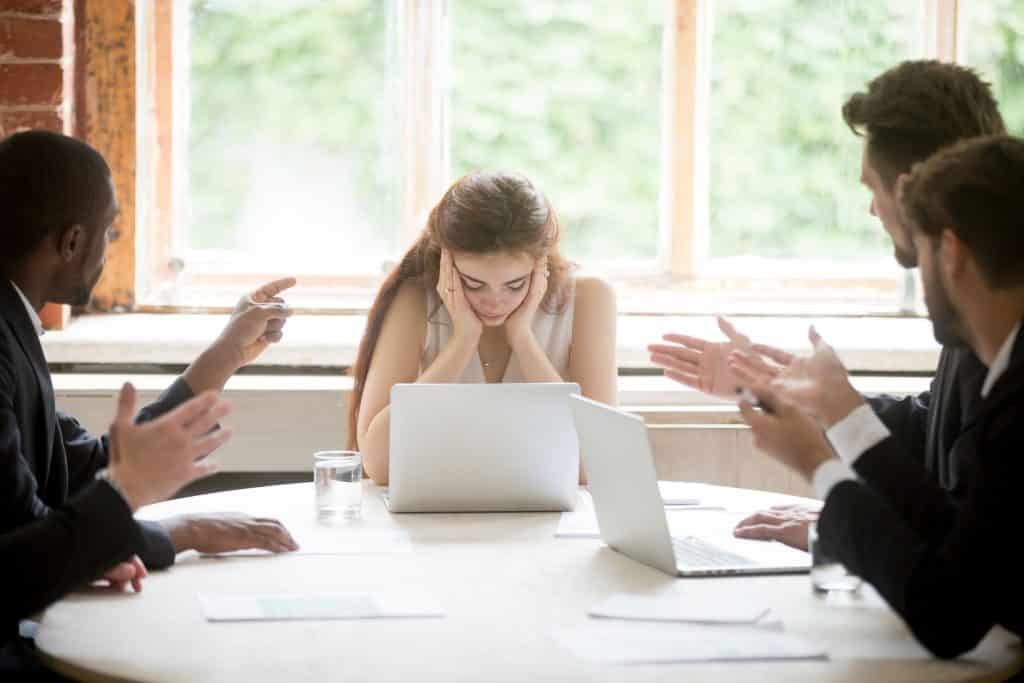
(280, 421)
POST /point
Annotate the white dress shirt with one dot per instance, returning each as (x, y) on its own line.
(862, 429)
(33, 316)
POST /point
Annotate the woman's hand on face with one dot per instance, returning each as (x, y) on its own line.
(519, 325)
(468, 327)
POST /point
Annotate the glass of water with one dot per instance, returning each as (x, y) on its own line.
(827, 574)
(337, 477)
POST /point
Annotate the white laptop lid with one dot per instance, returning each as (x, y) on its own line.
(623, 483)
(482, 448)
(630, 513)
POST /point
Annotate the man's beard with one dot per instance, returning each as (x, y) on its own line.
(946, 323)
(82, 294)
(907, 258)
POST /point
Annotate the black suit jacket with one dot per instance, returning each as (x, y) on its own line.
(942, 563)
(930, 424)
(42, 561)
(45, 455)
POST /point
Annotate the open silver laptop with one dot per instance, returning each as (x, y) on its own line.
(482, 448)
(630, 513)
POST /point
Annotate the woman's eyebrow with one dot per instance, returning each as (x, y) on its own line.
(480, 282)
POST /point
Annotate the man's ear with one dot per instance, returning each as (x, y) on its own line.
(71, 242)
(901, 182)
(953, 256)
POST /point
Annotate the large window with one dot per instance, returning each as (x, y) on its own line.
(567, 91)
(291, 161)
(784, 166)
(694, 149)
(994, 44)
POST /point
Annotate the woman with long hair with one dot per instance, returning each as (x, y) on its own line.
(484, 295)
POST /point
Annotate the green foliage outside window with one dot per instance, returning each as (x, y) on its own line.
(569, 92)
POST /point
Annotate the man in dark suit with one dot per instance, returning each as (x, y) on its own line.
(95, 530)
(57, 205)
(906, 114)
(944, 564)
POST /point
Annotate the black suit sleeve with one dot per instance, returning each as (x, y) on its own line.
(945, 570)
(19, 500)
(41, 562)
(88, 454)
(906, 416)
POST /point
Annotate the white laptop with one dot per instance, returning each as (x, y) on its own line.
(482, 448)
(630, 514)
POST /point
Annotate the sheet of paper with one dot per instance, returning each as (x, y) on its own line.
(313, 606)
(582, 522)
(681, 492)
(694, 608)
(632, 643)
(340, 541)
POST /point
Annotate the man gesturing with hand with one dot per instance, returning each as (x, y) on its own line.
(95, 530)
(943, 563)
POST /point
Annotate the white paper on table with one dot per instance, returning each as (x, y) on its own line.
(315, 606)
(582, 522)
(692, 608)
(339, 541)
(632, 643)
(680, 492)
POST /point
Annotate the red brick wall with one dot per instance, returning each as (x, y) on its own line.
(36, 78)
(36, 70)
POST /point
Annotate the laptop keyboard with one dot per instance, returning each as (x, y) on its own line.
(693, 552)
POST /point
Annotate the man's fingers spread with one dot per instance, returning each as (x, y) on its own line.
(734, 335)
(125, 403)
(203, 469)
(207, 444)
(208, 420)
(677, 352)
(778, 355)
(671, 363)
(191, 409)
(685, 340)
(689, 379)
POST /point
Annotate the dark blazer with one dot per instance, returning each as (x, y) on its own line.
(45, 455)
(943, 564)
(42, 561)
(931, 423)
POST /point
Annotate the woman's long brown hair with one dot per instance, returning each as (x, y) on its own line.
(482, 212)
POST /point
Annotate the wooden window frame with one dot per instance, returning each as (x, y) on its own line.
(143, 261)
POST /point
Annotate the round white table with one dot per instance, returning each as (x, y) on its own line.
(506, 584)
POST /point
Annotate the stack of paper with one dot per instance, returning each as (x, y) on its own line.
(697, 608)
(624, 643)
(288, 607)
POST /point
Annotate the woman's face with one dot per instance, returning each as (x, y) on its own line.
(495, 284)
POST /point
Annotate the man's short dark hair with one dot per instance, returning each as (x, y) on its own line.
(976, 189)
(48, 182)
(918, 107)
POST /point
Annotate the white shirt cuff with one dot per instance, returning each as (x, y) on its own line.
(828, 474)
(856, 433)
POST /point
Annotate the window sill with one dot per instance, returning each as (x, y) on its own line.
(868, 345)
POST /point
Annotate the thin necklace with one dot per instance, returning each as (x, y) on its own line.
(483, 361)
